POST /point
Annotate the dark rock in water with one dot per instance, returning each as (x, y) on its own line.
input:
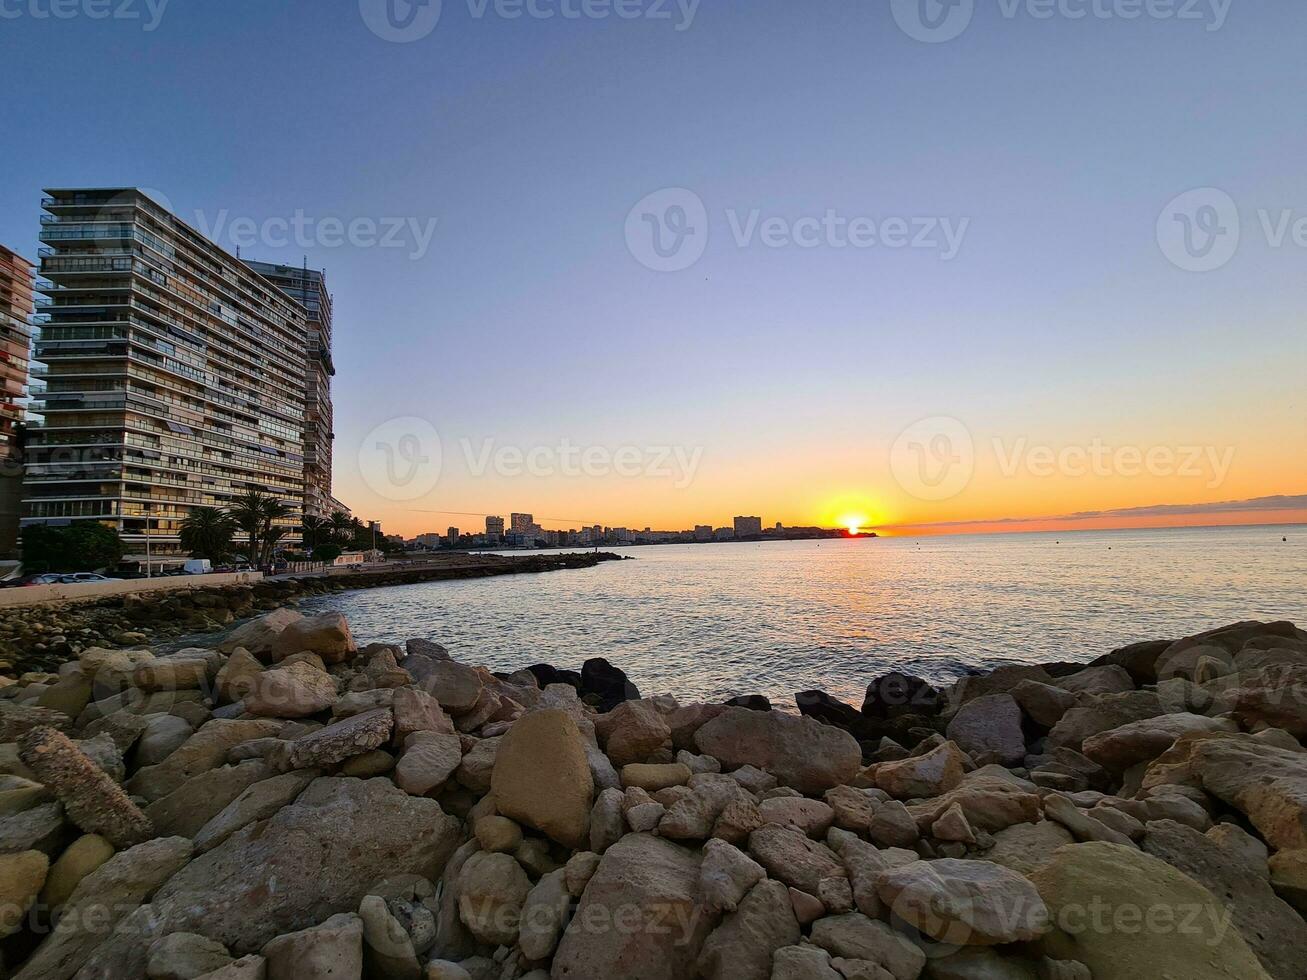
(609, 683)
(547, 674)
(831, 711)
(897, 693)
(754, 702)
(427, 648)
(1139, 659)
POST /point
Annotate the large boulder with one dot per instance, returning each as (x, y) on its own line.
(741, 947)
(964, 903)
(991, 799)
(1118, 749)
(1274, 931)
(206, 749)
(1267, 783)
(491, 892)
(542, 777)
(1123, 913)
(1274, 696)
(324, 852)
(989, 729)
(632, 732)
(897, 693)
(920, 776)
(326, 634)
(1100, 714)
(802, 753)
(339, 741)
(102, 900)
(607, 683)
(292, 691)
(258, 635)
(639, 915)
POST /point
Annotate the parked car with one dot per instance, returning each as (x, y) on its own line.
(78, 578)
(45, 578)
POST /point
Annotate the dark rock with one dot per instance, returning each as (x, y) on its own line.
(832, 711)
(609, 683)
(754, 702)
(897, 693)
(546, 674)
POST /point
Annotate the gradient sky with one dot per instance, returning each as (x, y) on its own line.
(790, 372)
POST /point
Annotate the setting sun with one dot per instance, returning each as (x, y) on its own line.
(854, 522)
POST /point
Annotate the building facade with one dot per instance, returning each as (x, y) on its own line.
(494, 530)
(16, 309)
(308, 287)
(174, 375)
(746, 527)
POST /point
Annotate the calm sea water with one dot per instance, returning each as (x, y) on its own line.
(711, 621)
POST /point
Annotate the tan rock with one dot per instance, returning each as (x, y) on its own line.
(1122, 881)
(81, 857)
(257, 635)
(491, 892)
(326, 634)
(541, 777)
(799, 751)
(330, 950)
(206, 749)
(632, 732)
(21, 877)
(919, 777)
(236, 675)
(340, 740)
(655, 777)
(965, 903)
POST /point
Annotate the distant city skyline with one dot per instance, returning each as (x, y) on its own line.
(973, 283)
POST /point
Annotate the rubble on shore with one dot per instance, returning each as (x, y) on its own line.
(286, 805)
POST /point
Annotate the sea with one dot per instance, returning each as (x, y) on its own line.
(710, 621)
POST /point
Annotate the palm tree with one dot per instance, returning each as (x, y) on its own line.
(340, 528)
(254, 513)
(207, 532)
(271, 536)
(313, 527)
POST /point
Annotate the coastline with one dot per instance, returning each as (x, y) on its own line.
(42, 637)
(290, 802)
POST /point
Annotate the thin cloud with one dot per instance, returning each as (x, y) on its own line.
(1277, 502)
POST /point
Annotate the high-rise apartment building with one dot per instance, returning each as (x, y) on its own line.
(746, 527)
(494, 529)
(308, 287)
(174, 375)
(520, 523)
(16, 308)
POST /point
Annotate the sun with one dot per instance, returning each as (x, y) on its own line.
(854, 523)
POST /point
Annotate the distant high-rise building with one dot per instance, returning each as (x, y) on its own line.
(703, 532)
(748, 527)
(451, 536)
(494, 529)
(521, 523)
(16, 308)
(175, 375)
(308, 287)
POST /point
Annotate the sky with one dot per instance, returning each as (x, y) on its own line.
(995, 265)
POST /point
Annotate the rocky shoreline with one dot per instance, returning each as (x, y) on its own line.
(41, 637)
(286, 805)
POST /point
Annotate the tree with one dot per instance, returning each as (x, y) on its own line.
(82, 547)
(341, 529)
(207, 532)
(255, 513)
(315, 530)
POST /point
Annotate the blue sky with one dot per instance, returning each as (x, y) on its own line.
(1057, 140)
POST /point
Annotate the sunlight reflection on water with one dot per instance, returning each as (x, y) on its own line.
(711, 621)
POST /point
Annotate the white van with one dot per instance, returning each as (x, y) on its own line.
(198, 566)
